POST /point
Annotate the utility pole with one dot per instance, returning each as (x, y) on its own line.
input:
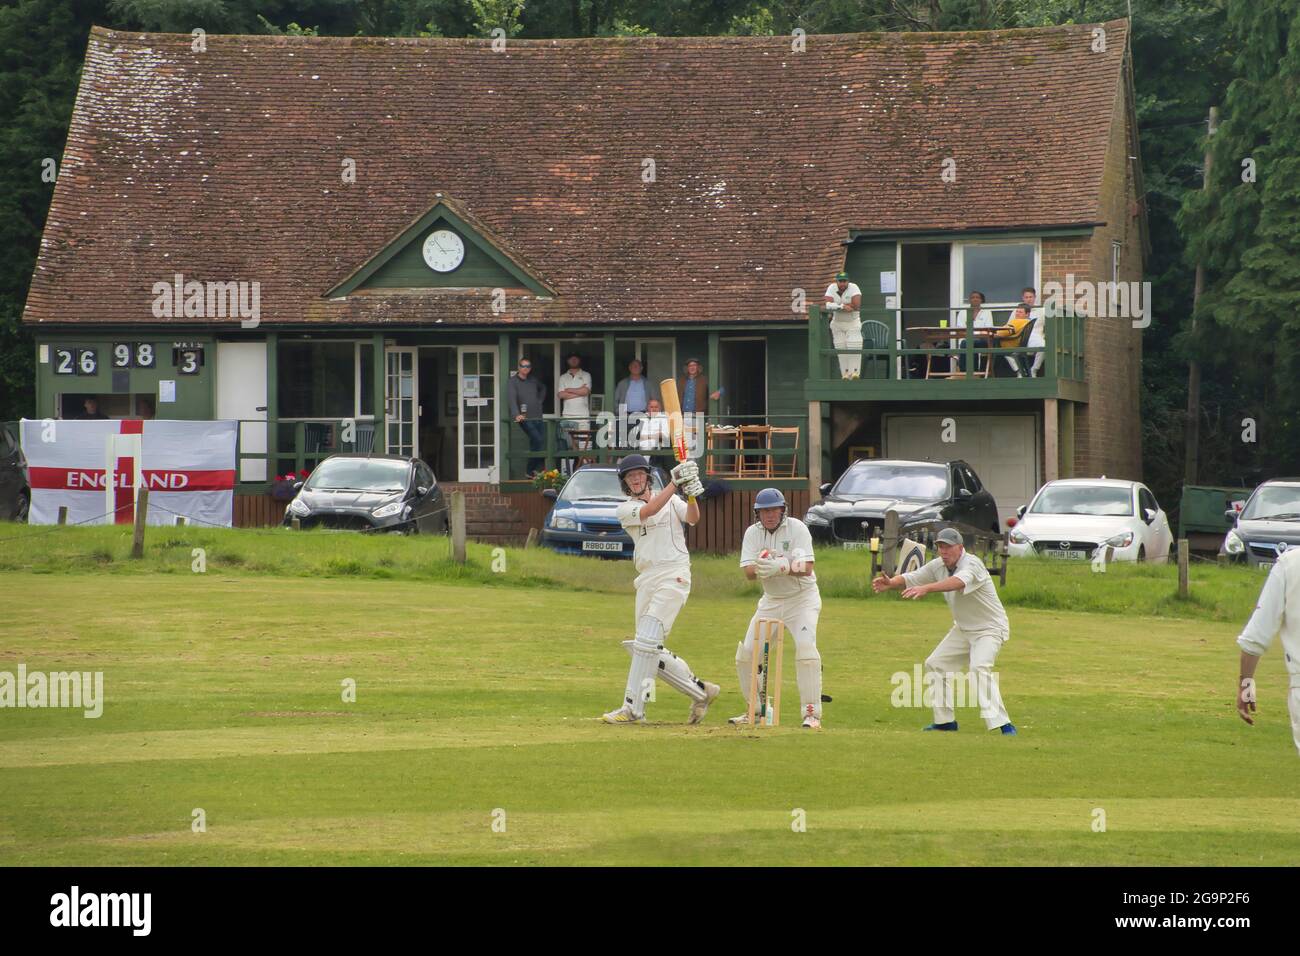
(1192, 427)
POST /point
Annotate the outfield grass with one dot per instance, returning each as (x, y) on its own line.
(476, 692)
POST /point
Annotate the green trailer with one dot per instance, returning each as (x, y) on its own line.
(1201, 519)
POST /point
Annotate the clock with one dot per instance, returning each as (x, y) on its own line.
(444, 250)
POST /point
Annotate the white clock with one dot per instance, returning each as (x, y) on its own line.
(444, 250)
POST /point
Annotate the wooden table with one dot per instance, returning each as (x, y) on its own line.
(933, 336)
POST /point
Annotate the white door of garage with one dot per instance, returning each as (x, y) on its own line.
(1003, 450)
(241, 396)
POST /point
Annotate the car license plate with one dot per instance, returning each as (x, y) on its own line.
(1057, 553)
(602, 546)
(853, 545)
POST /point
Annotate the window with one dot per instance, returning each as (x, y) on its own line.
(325, 379)
(1147, 500)
(1116, 248)
(998, 269)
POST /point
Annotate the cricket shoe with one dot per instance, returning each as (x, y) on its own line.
(701, 707)
(1009, 730)
(742, 719)
(623, 715)
(950, 725)
(810, 719)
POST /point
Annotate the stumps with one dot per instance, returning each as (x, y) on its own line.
(457, 515)
(765, 673)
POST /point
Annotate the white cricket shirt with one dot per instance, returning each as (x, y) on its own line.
(844, 298)
(1278, 612)
(791, 540)
(975, 608)
(660, 541)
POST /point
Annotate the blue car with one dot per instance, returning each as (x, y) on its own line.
(583, 519)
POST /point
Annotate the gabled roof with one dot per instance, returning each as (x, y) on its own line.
(225, 165)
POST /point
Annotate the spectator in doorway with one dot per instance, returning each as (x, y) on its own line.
(843, 301)
(634, 393)
(90, 410)
(693, 392)
(574, 387)
(527, 399)
(983, 319)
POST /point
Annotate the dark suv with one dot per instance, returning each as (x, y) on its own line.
(927, 495)
(15, 488)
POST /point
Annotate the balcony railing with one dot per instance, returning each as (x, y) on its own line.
(726, 446)
(932, 348)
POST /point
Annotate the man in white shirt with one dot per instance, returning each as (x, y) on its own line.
(1278, 612)
(573, 388)
(653, 432)
(1037, 338)
(778, 551)
(979, 628)
(983, 320)
(843, 300)
(663, 582)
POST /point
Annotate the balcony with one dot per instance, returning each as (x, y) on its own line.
(929, 361)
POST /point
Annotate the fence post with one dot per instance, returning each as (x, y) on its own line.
(141, 509)
(889, 546)
(1184, 555)
(63, 514)
(458, 526)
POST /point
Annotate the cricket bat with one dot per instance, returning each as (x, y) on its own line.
(676, 427)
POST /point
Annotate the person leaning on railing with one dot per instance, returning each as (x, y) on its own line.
(527, 398)
(843, 300)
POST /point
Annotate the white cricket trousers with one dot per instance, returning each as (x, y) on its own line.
(1294, 701)
(976, 652)
(662, 593)
(847, 334)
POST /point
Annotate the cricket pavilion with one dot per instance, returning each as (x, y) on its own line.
(241, 229)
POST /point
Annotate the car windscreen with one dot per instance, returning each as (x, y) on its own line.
(894, 481)
(1274, 501)
(1096, 500)
(359, 474)
(594, 484)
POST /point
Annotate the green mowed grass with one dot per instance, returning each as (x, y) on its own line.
(476, 694)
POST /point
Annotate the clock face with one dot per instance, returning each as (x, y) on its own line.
(444, 250)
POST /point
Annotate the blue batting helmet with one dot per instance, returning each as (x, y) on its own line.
(769, 498)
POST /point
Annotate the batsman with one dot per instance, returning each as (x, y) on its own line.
(778, 551)
(663, 581)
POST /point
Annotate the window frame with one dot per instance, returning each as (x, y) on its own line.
(357, 414)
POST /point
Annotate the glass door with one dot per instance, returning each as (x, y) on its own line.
(401, 404)
(477, 387)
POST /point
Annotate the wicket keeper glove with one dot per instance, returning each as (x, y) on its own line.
(685, 472)
(770, 567)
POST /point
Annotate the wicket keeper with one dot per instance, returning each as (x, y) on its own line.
(663, 583)
(778, 551)
(979, 627)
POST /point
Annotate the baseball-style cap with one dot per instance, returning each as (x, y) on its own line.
(948, 536)
(842, 277)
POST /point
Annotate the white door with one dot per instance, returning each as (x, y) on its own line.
(241, 396)
(1003, 450)
(401, 402)
(476, 384)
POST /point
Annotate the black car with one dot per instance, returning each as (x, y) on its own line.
(927, 495)
(1267, 526)
(370, 493)
(15, 487)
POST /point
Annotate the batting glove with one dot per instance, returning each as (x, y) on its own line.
(685, 472)
(693, 488)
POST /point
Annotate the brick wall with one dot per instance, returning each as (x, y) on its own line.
(1108, 434)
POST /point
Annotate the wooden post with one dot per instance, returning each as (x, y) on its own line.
(458, 527)
(295, 523)
(889, 543)
(1051, 441)
(180, 521)
(814, 446)
(1184, 554)
(141, 510)
(63, 514)
(532, 539)
(1004, 552)
(1192, 437)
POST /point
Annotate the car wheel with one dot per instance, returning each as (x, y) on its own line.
(23, 507)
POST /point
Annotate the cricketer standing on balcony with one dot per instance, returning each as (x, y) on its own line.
(663, 583)
(778, 551)
(1278, 612)
(843, 300)
(979, 627)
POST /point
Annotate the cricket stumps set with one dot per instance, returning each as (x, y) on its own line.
(765, 694)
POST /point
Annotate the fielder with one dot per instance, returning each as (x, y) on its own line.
(1278, 610)
(778, 551)
(979, 627)
(843, 299)
(663, 583)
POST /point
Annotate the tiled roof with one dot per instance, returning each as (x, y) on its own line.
(226, 165)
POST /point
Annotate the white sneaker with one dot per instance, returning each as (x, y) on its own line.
(701, 707)
(810, 719)
(622, 715)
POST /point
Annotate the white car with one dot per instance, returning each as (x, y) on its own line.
(1073, 517)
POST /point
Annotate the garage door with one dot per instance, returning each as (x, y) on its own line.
(1003, 450)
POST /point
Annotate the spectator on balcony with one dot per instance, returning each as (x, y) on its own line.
(1011, 336)
(843, 301)
(693, 392)
(574, 387)
(983, 319)
(633, 394)
(653, 434)
(1037, 339)
(527, 399)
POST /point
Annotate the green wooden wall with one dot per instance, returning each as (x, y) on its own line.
(864, 262)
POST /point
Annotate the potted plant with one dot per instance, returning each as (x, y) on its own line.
(286, 486)
(550, 480)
